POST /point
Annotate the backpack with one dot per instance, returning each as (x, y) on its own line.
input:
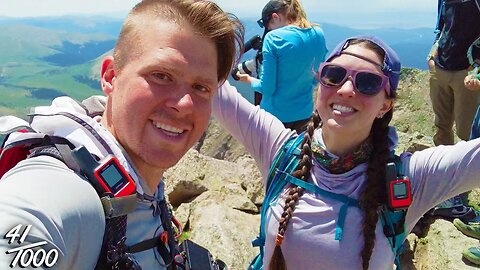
(115, 254)
(285, 163)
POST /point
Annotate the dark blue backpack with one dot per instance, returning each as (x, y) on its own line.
(284, 164)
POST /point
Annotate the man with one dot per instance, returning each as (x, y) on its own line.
(169, 60)
(452, 102)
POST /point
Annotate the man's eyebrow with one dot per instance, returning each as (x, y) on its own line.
(171, 69)
(207, 81)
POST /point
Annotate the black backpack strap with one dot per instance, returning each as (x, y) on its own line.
(166, 218)
(160, 242)
(56, 147)
(114, 253)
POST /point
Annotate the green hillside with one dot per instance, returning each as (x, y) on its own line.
(37, 65)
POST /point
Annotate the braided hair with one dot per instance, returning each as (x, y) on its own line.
(374, 194)
(277, 262)
(369, 199)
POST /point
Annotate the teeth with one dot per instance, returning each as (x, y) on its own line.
(342, 108)
(168, 128)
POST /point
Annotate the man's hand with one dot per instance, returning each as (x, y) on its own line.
(472, 83)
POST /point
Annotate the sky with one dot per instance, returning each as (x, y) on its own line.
(371, 13)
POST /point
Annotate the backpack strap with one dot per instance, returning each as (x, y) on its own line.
(280, 174)
(166, 217)
(285, 160)
(113, 253)
(347, 201)
(393, 222)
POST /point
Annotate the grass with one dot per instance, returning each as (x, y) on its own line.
(16, 88)
(413, 109)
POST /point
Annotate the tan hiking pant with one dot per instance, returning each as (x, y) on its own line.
(451, 102)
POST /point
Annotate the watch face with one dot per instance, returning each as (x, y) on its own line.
(400, 190)
(111, 175)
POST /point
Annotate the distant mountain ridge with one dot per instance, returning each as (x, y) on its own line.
(411, 44)
(44, 57)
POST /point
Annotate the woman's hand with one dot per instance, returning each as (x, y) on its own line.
(472, 83)
(244, 77)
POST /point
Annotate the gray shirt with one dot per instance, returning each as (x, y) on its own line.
(62, 208)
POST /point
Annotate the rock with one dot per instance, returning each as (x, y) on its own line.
(216, 201)
(216, 142)
(225, 231)
(441, 248)
(196, 173)
(411, 142)
(252, 181)
(474, 198)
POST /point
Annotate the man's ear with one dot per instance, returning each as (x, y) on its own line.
(107, 75)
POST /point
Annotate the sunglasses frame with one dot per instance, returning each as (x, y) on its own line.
(351, 73)
(262, 22)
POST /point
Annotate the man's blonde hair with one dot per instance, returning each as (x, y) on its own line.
(205, 17)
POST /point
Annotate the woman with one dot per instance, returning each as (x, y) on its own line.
(345, 150)
(292, 49)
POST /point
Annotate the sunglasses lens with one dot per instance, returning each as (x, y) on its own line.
(332, 75)
(260, 23)
(368, 83)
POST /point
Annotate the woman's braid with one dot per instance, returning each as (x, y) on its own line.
(302, 172)
(375, 189)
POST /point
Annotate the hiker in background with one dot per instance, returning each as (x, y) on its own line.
(452, 101)
(292, 49)
(472, 82)
(158, 91)
(328, 214)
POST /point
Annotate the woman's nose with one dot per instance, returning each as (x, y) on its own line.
(347, 88)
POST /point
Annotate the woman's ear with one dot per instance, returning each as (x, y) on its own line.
(387, 106)
(275, 16)
(107, 75)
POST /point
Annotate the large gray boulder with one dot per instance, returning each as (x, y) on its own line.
(226, 231)
(217, 202)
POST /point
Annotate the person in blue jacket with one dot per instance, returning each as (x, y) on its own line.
(292, 49)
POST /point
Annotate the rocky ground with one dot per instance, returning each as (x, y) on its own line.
(216, 191)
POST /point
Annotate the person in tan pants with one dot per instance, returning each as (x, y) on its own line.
(452, 102)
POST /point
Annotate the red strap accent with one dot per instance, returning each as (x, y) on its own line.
(178, 225)
(11, 157)
(164, 237)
